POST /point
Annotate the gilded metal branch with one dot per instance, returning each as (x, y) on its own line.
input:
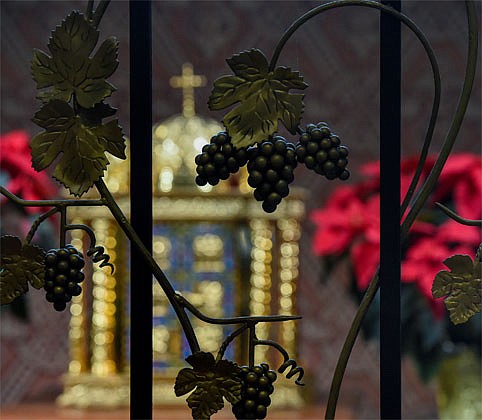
(294, 369)
(99, 12)
(233, 320)
(149, 259)
(90, 9)
(451, 136)
(420, 200)
(98, 255)
(274, 344)
(430, 54)
(38, 222)
(96, 252)
(287, 362)
(457, 218)
(86, 229)
(50, 203)
(251, 343)
(63, 225)
(228, 341)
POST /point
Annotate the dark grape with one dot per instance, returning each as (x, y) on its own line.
(271, 170)
(261, 411)
(258, 370)
(59, 305)
(319, 149)
(255, 392)
(251, 378)
(271, 374)
(218, 160)
(62, 275)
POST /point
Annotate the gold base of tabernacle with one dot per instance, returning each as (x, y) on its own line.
(91, 391)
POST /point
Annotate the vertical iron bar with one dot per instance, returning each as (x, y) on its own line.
(141, 207)
(390, 126)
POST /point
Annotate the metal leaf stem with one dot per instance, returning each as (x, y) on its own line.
(38, 222)
(457, 218)
(430, 54)
(228, 341)
(419, 202)
(99, 12)
(156, 270)
(429, 184)
(181, 305)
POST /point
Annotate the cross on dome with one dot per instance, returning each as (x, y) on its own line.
(187, 81)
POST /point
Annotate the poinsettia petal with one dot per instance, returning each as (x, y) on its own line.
(365, 257)
(453, 232)
(467, 194)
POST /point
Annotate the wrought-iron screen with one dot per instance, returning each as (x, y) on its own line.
(261, 96)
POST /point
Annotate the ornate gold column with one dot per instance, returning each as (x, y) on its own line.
(78, 321)
(260, 281)
(103, 360)
(289, 232)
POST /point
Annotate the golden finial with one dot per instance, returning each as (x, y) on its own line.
(187, 81)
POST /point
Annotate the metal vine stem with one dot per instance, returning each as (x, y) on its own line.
(428, 49)
(180, 304)
(156, 270)
(429, 183)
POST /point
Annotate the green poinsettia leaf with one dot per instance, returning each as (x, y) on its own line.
(205, 401)
(20, 265)
(213, 380)
(70, 70)
(81, 148)
(263, 98)
(461, 288)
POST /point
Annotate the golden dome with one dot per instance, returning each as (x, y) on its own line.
(175, 143)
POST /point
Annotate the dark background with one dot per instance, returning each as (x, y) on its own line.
(338, 55)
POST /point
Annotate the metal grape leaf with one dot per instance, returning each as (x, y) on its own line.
(20, 265)
(70, 70)
(263, 97)
(461, 287)
(212, 380)
(94, 116)
(82, 147)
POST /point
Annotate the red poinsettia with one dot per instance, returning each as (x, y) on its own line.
(461, 180)
(424, 259)
(350, 223)
(339, 223)
(22, 179)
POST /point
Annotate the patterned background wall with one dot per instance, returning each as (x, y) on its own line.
(338, 55)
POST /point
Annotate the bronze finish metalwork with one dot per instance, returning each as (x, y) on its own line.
(73, 90)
